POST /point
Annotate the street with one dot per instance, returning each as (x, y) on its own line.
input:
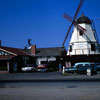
(62, 90)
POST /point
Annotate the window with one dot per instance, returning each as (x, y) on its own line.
(86, 65)
(97, 64)
(44, 62)
(70, 49)
(92, 47)
(81, 33)
(80, 65)
(91, 64)
(3, 53)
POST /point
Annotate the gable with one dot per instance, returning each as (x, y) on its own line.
(13, 51)
(5, 52)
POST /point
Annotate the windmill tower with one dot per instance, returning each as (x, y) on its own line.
(84, 39)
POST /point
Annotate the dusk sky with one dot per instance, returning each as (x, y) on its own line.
(41, 20)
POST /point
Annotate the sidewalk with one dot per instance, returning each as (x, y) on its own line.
(43, 77)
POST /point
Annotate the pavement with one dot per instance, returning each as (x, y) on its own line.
(45, 77)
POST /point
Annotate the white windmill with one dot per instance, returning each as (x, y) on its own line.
(84, 40)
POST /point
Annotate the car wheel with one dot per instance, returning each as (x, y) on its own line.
(97, 72)
(75, 73)
(32, 69)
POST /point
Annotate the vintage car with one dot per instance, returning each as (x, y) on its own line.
(83, 66)
(42, 68)
(29, 67)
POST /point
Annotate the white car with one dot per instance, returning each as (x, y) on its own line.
(29, 67)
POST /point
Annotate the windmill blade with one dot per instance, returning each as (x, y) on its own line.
(68, 17)
(87, 38)
(78, 9)
(67, 34)
(80, 27)
(73, 20)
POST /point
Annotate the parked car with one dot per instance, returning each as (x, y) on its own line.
(82, 68)
(29, 67)
(42, 68)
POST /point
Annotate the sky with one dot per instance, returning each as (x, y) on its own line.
(42, 21)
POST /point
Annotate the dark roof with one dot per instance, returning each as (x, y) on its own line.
(15, 51)
(83, 19)
(28, 51)
(56, 51)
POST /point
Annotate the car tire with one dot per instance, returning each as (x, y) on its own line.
(75, 73)
(97, 72)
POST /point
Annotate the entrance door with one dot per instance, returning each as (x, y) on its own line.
(3, 65)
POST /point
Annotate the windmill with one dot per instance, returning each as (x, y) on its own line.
(83, 40)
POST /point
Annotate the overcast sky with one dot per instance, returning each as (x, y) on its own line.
(41, 21)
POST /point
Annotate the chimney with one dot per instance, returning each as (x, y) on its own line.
(33, 49)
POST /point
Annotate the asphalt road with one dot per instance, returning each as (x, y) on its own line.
(50, 90)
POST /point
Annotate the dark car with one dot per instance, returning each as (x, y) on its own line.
(82, 67)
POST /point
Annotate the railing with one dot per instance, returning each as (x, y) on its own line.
(86, 51)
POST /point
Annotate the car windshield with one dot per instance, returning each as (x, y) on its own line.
(74, 66)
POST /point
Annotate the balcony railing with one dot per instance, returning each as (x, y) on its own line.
(86, 51)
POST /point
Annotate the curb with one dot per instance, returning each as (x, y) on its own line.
(50, 80)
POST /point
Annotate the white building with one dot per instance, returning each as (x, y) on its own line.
(83, 43)
(46, 55)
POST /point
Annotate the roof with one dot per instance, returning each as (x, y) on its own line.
(83, 19)
(28, 51)
(14, 51)
(52, 51)
(55, 51)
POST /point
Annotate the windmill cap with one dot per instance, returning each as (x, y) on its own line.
(83, 19)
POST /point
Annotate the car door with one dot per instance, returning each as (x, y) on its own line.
(79, 68)
(83, 68)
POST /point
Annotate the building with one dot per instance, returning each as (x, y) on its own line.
(47, 55)
(12, 59)
(84, 45)
(84, 42)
